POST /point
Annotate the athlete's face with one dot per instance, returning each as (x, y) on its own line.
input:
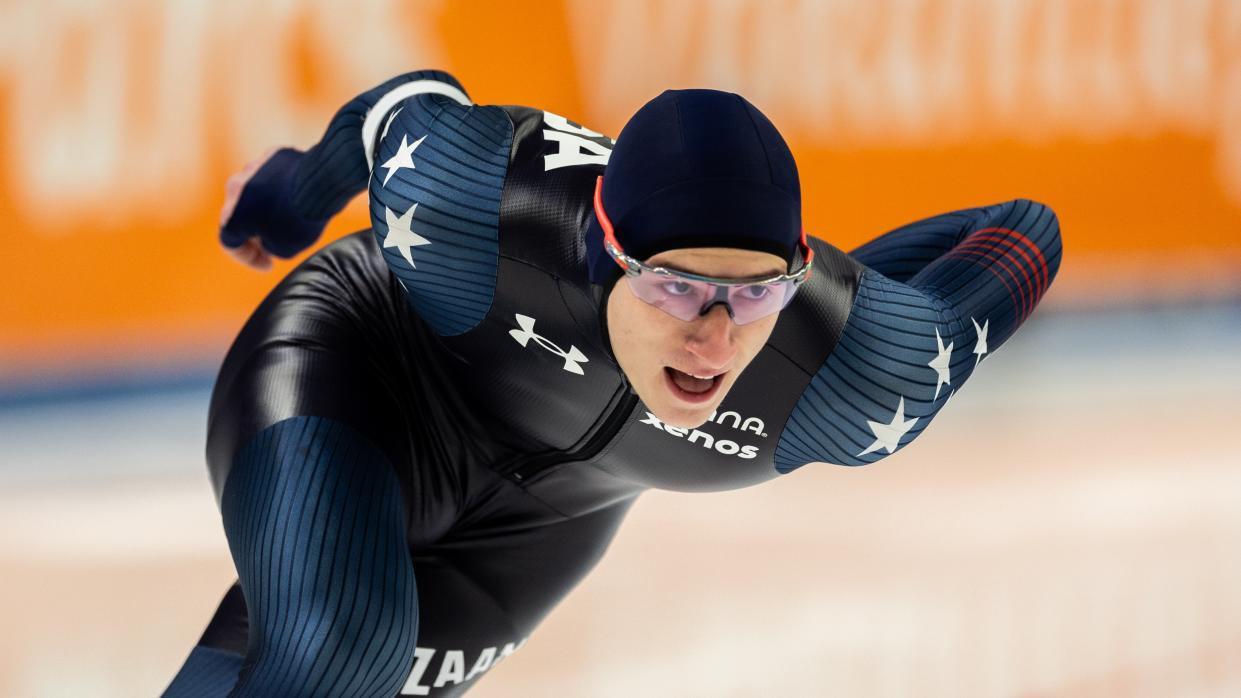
(682, 370)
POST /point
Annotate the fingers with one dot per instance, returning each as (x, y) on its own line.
(251, 254)
(232, 194)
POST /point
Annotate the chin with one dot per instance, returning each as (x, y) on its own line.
(683, 416)
(681, 420)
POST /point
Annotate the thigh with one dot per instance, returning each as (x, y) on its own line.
(478, 599)
(326, 604)
(334, 350)
(305, 429)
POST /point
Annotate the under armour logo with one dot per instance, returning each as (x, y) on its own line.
(523, 336)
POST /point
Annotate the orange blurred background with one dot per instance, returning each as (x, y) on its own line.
(1070, 527)
(122, 120)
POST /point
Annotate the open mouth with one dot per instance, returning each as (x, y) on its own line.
(692, 387)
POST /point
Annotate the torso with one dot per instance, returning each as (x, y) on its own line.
(537, 367)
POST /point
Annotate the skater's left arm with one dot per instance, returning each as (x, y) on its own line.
(909, 344)
(280, 203)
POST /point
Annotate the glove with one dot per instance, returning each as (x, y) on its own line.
(265, 210)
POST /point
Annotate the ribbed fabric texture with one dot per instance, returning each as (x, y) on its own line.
(334, 170)
(315, 522)
(972, 277)
(450, 198)
(907, 250)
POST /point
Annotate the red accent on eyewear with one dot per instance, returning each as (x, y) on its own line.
(809, 260)
(609, 237)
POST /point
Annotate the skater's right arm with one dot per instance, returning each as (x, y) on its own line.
(280, 203)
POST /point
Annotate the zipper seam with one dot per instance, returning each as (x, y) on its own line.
(529, 466)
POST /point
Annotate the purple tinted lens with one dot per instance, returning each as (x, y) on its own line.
(680, 298)
(755, 301)
(685, 299)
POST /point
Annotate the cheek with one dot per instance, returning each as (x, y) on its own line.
(653, 345)
(638, 339)
(648, 326)
(754, 336)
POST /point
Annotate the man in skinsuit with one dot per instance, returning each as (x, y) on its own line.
(429, 431)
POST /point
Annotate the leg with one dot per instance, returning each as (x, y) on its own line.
(315, 523)
(302, 434)
(479, 599)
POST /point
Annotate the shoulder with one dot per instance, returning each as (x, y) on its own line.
(457, 186)
(435, 191)
(882, 383)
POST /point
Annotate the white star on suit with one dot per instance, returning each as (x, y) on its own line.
(941, 364)
(404, 157)
(980, 347)
(399, 234)
(888, 436)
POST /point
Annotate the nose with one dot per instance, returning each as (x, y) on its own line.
(711, 338)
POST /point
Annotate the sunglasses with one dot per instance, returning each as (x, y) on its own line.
(686, 296)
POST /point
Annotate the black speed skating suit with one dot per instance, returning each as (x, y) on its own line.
(420, 441)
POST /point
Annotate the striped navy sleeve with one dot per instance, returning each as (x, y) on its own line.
(907, 250)
(436, 165)
(336, 168)
(912, 340)
(289, 200)
(435, 193)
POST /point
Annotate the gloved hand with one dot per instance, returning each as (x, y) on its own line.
(258, 218)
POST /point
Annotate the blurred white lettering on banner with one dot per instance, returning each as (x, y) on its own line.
(110, 104)
(124, 107)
